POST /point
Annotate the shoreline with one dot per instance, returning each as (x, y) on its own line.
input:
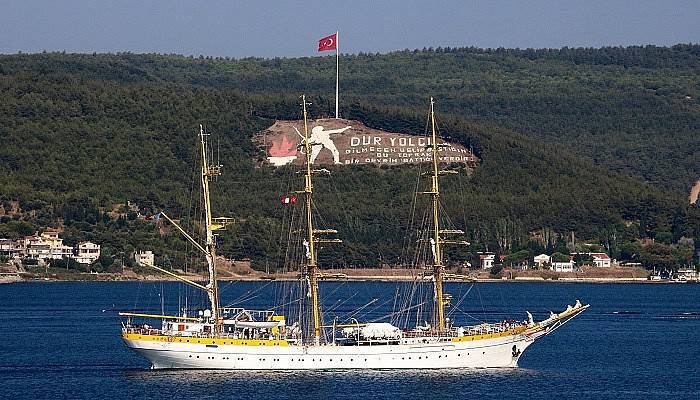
(27, 278)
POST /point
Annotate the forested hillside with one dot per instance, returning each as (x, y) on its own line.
(81, 133)
(635, 110)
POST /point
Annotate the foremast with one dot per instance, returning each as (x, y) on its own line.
(209, 171)
(209, 249)
(441, 299)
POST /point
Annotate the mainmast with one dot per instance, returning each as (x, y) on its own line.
(441, 298)
(312, 264)
(312, 272)
(212, 287)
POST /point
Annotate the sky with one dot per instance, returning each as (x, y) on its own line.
(282, 28)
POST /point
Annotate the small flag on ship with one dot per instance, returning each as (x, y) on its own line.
(289, 200)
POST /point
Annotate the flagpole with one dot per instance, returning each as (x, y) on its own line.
(337, 57)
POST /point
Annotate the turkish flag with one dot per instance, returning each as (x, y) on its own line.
(328, 43)
(289, 200)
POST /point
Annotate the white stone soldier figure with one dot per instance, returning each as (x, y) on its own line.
(321, 138)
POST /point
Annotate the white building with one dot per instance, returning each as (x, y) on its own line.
(47, 246)
(487, 260)
(35, 248)
(60, 252)
(144, 258)
(542, 260)
(601, 260)
(10, 248)
(88, 252)
(567, 266)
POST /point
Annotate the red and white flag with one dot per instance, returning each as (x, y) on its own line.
(328, 43)
(289, 200)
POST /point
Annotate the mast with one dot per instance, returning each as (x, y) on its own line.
(212, 287)
(442, 299)
(438, 268)
(312, 264)
(337, 69)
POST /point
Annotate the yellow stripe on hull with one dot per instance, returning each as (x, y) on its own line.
(511, 332)
(195, 340)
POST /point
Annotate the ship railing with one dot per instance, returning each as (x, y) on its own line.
(239, 312)
(485, 329)
(481, 329)
(427, 334)
(142, 331)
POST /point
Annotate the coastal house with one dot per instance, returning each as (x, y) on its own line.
(47, 246)
(601, 260)
(87, 252)
(144, 258)
(10, 248)
(60, 251)
(50, 237)
(487, 260)
(567, 266)
(35, 248)
(542, 260)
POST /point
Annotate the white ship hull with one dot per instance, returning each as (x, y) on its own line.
(500, 352)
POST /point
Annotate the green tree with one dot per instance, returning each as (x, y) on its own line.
(659, 256)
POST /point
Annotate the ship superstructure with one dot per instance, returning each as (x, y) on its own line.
(239, 338)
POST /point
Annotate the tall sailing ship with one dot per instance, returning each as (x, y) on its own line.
(237, 338)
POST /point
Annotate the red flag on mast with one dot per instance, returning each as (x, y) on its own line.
(328, 43)
(289, 200)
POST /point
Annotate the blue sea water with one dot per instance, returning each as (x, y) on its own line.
(61, 340)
